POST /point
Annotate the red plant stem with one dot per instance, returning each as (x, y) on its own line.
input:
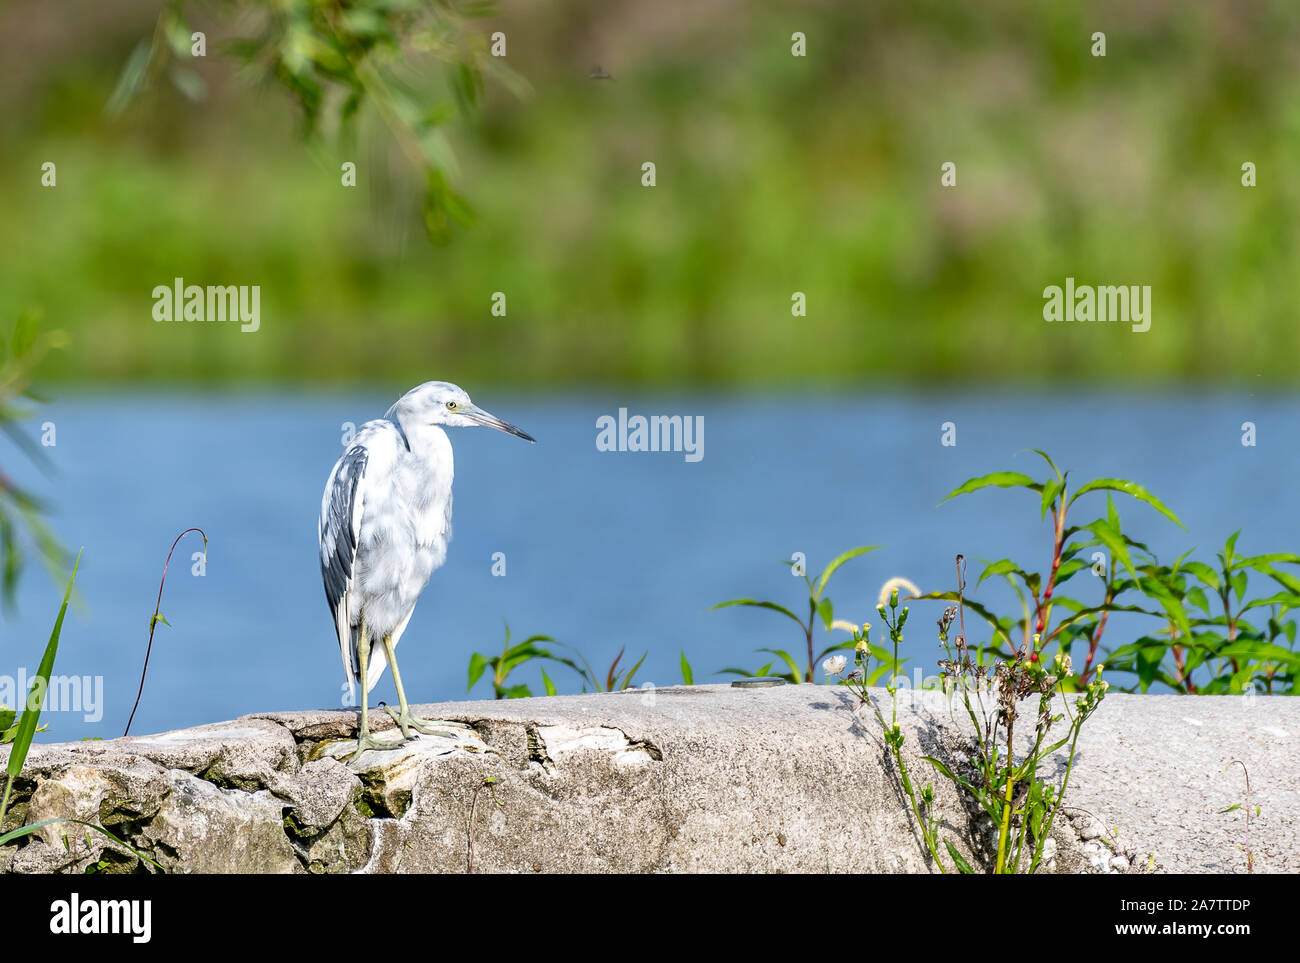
(1182, 677)
(153, 623)
(1043, 604)
(1094, 642)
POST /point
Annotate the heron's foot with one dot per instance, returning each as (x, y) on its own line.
(368, 741)
(407, 721)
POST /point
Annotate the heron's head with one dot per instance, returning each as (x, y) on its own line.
(442, 403)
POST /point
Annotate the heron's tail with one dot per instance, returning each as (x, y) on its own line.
(375, 668)
(352, 664)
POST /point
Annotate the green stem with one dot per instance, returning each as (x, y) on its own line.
(930, 842)
(808, 634)
(4, 803)
(999, 866)
(1060, 797)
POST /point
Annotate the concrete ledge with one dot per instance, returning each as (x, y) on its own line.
(699, 779)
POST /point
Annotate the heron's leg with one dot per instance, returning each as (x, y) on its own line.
(404, 719)
(364, 739)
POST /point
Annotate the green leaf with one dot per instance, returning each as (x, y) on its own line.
(827, 611)
(477, 665)
(788, 660)
(957, 858)
(24, 334)
(1260, 650)
(1255, 561)
(627, 679)
(546, 681)
(1238, 581)
(31, 714)
(762, 605)
(688, 676)
(1285, 579)
(1230, 547)
(1069, 569)
(1288, 601)
(1051, 464)
(1196, 596)
(28, 830)
(999, 479)
(845, 646)
(1115, 542)
(1128, 488)
(1004, 567)
(836, 562)
(1148, 664)
(1051, 489)
(1203, 572)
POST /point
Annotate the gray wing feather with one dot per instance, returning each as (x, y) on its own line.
(338, 538)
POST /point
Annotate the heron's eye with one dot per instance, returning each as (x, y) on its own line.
(451, 406)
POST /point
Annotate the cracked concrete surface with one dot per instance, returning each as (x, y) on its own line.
(705, 778)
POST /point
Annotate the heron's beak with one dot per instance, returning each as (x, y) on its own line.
(479, 416)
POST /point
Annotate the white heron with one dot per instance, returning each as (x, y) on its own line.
(385, 521)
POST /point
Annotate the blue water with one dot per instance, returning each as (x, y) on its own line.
(603, 550)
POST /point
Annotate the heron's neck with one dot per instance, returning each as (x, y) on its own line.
(425, 441)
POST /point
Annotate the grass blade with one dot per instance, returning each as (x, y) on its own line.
(32, 713)
(761, 605)
(836, 562)
(28, 830)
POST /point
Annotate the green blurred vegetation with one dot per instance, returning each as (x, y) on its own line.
(775, 174)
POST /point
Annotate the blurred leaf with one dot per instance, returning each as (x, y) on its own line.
(192, 87)
(130, 80)
(795, 671)
(24, 333)
(477, 666)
